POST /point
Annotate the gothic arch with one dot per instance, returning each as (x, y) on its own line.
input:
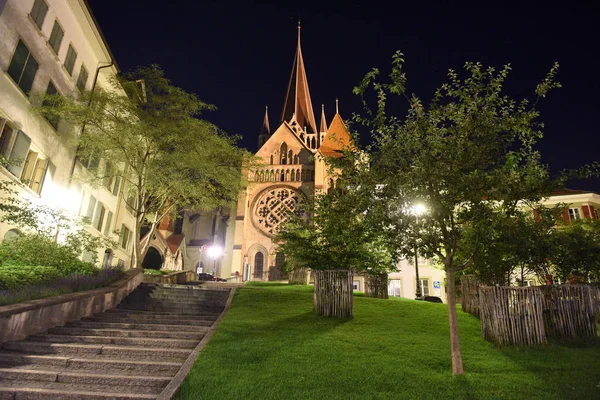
(255, 252)
(283, 153)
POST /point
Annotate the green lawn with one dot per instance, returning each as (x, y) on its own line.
(272, 346)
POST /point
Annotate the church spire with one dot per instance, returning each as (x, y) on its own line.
(265, 130)
(297, 100)
(323, 126)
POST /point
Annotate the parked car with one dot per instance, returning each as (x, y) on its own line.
(203, 276)
(433, 299)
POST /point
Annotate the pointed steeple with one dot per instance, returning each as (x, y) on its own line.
(297, 101)
(323, 126)
(265, 130)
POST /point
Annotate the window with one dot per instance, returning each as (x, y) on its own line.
(259, 259)
(38, 12)
(126, 237)
(425, 287)
(90, 161)
(283, 154)
(19, 150)
(279, 260)
(395, 288)
(116, 185)
(528, 282)
(130, 202)
(574, 214)
(70, 60)
(52, 119)
(90, 209)
(6, 138)
(108, 221)
(56, 37)
(99, 215)
(23, 67)
(82, 78)
(356, 285)
(34, 171)
(595, 213)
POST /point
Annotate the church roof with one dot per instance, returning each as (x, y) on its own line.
(265, 129)
(337, 138)
(323, 126)
(298, 104)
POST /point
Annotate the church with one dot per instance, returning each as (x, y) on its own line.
(292, 170)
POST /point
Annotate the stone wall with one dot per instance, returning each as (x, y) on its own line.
(17, 321)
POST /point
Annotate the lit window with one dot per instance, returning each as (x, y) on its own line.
(99, 216)
(574, 214)
(356, 285)
(395, 288)
(70, 60)
(23, 67)
(38, 12)
(425, 287)
(56, 37)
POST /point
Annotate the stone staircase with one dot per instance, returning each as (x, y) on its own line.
(131, 352)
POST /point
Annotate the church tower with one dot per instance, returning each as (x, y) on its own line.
(292, 171)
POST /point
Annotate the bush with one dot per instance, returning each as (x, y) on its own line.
(156, 272)
(58, 286)
(17, 276)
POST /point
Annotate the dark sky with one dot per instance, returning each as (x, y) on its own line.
(239, 56)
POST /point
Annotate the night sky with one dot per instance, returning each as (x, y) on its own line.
(239, 57)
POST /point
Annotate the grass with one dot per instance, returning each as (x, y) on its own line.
(271, 345)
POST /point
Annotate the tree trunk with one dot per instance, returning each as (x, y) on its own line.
(457, 365)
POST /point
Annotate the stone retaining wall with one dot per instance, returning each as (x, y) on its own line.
(179, 277)
(17, 321)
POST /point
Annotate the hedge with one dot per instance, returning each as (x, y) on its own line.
(17, 276)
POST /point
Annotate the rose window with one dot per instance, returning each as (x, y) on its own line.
(274, 206)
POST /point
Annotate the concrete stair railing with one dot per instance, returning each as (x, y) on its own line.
(131, 352)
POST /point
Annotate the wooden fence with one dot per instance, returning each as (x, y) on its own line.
(333, 293)
(531, 315)
(469, 287)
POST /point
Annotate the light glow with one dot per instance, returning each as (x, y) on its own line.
(214, 251)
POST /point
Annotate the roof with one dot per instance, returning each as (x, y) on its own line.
(567, 192)
(298, 104)
(174, 241)
(337, 138)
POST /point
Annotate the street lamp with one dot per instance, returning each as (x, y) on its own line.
(214, 252)
(417, 210)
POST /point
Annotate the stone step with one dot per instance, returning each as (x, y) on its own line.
(162, 318)
(173, 308)
(119, 341)
(142, 312)
(113, 319)
(69, 391)
(126, 352)
(82, 377)
(96, 364)
(65, 330)
(137, 326)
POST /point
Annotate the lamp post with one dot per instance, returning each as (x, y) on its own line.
(215, 252)
(417, 210)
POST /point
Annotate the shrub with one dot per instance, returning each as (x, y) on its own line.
(156, 272)
(58, 286)
(17, 276)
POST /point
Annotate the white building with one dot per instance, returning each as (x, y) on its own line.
(55, 46)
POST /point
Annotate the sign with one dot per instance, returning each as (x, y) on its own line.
(436, 284)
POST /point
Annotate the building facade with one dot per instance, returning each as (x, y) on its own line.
(55, 46)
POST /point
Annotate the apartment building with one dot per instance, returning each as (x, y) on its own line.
(56, 46)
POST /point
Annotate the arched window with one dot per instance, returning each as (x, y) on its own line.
(313, 143)
(290, 157)
(11, 234)
(283, 153)
(259, 260)
(330, 186)
(287, 175)
(298, 175)
(272, 177)
(293, 176)
(271, 159)
(279, 259)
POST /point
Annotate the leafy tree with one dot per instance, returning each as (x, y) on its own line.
(468, 155)
(334, 232)
(512, 247)
(577, 251)
(149, 134)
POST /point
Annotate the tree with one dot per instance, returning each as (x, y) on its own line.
(513, 247)
(148, 133)
(468, 155)
(577, 251)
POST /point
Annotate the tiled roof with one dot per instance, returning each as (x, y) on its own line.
(337, 138)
